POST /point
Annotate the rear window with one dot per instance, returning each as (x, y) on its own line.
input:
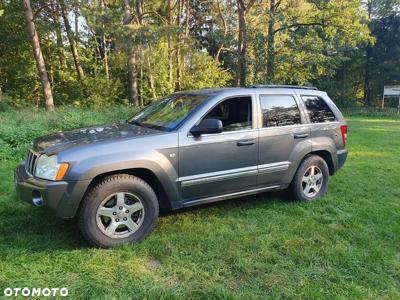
(318, 110)
(279, 110)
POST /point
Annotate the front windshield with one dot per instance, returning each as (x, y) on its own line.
(169, 112)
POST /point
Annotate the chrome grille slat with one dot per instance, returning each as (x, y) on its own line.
(34, 164)
(30, 163)
(28, 156)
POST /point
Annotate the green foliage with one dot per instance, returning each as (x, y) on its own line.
(385, 54)
(16, 133)
(314, 42)
(203, 71)
(103, 92)
(18, 75)
(6, 102)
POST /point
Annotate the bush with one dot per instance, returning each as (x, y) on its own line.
(20, 127)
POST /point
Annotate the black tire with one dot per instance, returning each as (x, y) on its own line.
(120, 184)
(298, 187)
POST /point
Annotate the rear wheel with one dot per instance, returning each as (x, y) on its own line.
(311, 179)
(120, 209)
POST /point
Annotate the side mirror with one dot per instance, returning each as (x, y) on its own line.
(207, 126)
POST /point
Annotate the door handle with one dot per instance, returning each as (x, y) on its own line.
(301, 135)
(245, 142)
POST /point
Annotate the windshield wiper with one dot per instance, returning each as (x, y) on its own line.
(134, 122)
(146, 125)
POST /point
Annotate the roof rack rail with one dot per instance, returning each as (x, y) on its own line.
(270, 86)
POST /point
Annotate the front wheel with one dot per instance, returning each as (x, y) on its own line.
(311, 179)
(118, 210)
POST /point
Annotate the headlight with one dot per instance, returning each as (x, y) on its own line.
(47, 167)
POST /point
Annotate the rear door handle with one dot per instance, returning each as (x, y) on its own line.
(245, 142)
(301, 135)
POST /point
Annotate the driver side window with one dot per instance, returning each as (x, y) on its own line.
(234, 113)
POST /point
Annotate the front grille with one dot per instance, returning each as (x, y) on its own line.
(30, 163)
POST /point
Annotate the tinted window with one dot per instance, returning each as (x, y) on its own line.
(318, 110)
(235, 113)
(279, 110)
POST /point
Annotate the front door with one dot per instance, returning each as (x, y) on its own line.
(214, 164)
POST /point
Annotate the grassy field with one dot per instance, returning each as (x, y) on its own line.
(345, 246)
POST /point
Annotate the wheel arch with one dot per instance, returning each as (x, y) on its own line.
(325, 155)
(143, 173)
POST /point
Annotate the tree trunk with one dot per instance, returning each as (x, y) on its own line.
(170, 63)
(105, 56)
(76, 19)
(139, 10)
(367, 76)
(72, 43)
(151, 77)
(132, 79)
(224, 25)
(133, 94)
(41, 66)
(141, 93)
(187, 25)
(104, 46)
(59, 41)
(178, 48)
(242, 45)
(271, 43)
(368, 64)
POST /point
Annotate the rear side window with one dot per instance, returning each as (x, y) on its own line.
(318, 110)
(279, 110)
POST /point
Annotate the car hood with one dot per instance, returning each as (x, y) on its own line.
(62, 140)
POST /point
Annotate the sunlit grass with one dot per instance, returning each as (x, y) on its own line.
(345, 246)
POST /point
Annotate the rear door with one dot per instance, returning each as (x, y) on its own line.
(284, 137)
(324, 123)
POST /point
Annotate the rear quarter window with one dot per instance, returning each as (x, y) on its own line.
(318, 110)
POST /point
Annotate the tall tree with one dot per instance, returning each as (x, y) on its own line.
(170, 58)
(103, 44)
(224, 28)
(133, 94)
(72, 42)
(242, 10)
(41, 66)
(178, 46)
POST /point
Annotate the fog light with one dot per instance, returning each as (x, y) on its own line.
(37, 198)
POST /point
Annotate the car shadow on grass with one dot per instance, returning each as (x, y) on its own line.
(29, 229)
(26, 228)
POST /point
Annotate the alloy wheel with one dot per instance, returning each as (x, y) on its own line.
(120, 215)
(312, 181)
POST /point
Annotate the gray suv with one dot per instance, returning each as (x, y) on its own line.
(187, 149)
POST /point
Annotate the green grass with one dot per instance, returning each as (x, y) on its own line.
(345, 246)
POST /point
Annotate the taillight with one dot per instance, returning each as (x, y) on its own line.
(343, 130)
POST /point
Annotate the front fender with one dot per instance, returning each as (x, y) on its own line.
(154, 161)
(91, 160)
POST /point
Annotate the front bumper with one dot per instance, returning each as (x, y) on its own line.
(62, 197)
